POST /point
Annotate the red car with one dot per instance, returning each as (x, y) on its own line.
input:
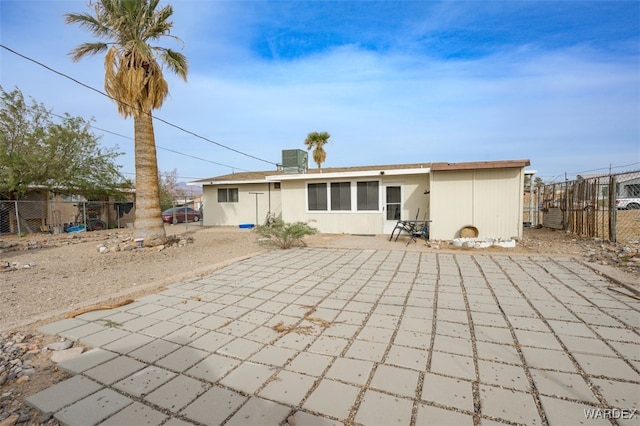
(180, 214)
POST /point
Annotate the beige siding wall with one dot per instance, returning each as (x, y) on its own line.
(244, 211)
(490, 200)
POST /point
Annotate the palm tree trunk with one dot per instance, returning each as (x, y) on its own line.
(148, 222)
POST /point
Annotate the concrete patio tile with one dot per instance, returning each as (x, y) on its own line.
(81, 331)
(165, 314)
(328, 345)
(628, 350)
(498, 352)
(447, 391)
(493, 334)
(136, 414)
(382, 409)
(104, 337)
(161, 329)
(350, 370)
(273, 355)
(514, 406)
(618, 334)
(188, 318)
(413, 358)
(453, 329)
(420, 325)
(296, 341)
(240, 348)
(310, 363)
(561, 412)
(211, 341)
(619, 394)
(144, 381)
(248, 377)
(609, 367)
(130, 342)
(302, 418)
(177, 393)
(93, 409)
(139, 323)
(383, 321)
(526, 323)
(537, 339)
(488, 319)
(571, 329)
(503, 375)
(567, 385)
(332, 398)
(370, 351)
(395, 380)
(87, 360)
(371, 334)
(587, 346)
(258, 411)
(454, 345)
(453, 315)
(153, 351)
(413, 339)
(355, 318)
(115, 369)
(288, 388)
(213, 368)
(453, 365)
(213, 406)
(185, 335)
(62, 394)
(211, 322)
(547, 359)
(428, 415)
(182, 359)
(60, 326)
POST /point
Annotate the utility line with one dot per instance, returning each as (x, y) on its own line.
(116, 100)
(157, 146)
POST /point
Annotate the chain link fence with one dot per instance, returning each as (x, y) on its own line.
(56, 217)
(606, 207)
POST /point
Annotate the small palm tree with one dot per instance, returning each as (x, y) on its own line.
(134, 79)
(316, 141)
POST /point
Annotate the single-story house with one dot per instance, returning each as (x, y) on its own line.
(369, 200)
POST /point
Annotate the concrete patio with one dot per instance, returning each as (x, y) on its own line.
(355, 336)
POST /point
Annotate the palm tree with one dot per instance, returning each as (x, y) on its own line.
(133, 78)
(317, 140)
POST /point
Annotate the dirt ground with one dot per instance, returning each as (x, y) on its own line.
(45, 277)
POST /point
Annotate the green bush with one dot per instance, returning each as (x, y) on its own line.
(284, 235)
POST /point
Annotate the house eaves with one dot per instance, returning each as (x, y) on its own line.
(474, 165)
(326, 174)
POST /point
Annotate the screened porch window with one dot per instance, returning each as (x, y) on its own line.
(341, 196)
(317, 196)
(368, 195)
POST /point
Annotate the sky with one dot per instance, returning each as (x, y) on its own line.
(555, 82)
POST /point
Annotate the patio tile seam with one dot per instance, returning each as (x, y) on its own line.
(532, 385)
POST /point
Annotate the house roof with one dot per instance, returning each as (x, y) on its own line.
(480, 165)
(329, 172)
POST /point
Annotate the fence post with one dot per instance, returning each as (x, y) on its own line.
(613, 209)
(18, 219)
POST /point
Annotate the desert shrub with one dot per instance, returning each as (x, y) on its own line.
(284, 235)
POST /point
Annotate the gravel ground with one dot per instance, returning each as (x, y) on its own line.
(44, 277)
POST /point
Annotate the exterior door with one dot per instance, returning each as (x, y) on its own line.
(392, 210)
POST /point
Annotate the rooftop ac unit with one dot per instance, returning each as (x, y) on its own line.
(294, 160)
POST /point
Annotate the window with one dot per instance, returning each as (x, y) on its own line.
(368, 195)
(341, 196)
(317, 196)
(227, 195)
(633, 190)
